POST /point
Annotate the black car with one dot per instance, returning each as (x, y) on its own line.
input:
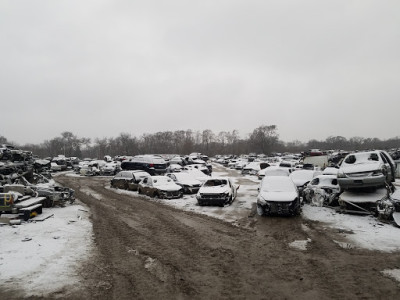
(152, 164)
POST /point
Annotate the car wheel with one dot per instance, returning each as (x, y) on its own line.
(260, 210)
(139, 191)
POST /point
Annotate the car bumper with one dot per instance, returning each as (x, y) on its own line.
(171, 194)
(357, 182)
(212, 200)
(280, 207)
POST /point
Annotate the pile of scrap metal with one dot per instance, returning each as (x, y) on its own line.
(26, 186)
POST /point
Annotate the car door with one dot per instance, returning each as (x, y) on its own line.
(390, 166)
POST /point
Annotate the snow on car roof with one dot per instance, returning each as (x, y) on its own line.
(277, 184)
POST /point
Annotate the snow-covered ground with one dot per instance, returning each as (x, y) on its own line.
(50, 251)
(39, 257)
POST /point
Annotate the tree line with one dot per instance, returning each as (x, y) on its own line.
(263, 140)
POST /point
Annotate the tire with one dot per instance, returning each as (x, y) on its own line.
(260, 210)
(139, 191)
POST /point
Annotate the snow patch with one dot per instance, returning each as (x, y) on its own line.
(300, 245)
(362, 231)
(47, 252)
(395, 274)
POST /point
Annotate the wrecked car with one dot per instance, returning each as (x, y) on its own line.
(273, 171)
(128, 179)
(254, 167)
(366, 169)
(278, 195)
(161, 187)
(302, 177)
(189, 184)
(322, 190)
(217, 191)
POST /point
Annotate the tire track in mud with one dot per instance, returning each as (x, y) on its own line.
(147, 249)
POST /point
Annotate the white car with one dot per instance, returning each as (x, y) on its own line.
(217, 191)
(189, 184)
(278, 195)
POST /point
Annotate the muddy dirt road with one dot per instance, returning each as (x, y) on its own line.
(147, 250)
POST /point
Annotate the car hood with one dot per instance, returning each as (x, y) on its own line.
(189, 182)
(278, 196)
(365, 167)
(168, 187)
(213, 189)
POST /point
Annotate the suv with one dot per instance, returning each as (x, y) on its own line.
(152, 164)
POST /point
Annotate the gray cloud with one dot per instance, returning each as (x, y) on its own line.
(98, 68)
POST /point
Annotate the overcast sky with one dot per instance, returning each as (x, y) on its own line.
(98, 68)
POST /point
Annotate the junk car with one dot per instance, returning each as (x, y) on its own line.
(217, 191)
(160, 187)
(278, 195)
(128, 179)
(366, 169)
(189, 184)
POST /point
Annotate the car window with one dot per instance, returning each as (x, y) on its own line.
(215, 182)
(374, 157)
(351, 159)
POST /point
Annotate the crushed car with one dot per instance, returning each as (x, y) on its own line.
(322, 190)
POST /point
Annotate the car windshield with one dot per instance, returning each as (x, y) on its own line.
(215, 182)
(360, 158)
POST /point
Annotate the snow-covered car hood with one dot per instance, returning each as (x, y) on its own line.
(364, 167)
(214, 189)
(168, 187)
(189, 182)
(278, 196)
